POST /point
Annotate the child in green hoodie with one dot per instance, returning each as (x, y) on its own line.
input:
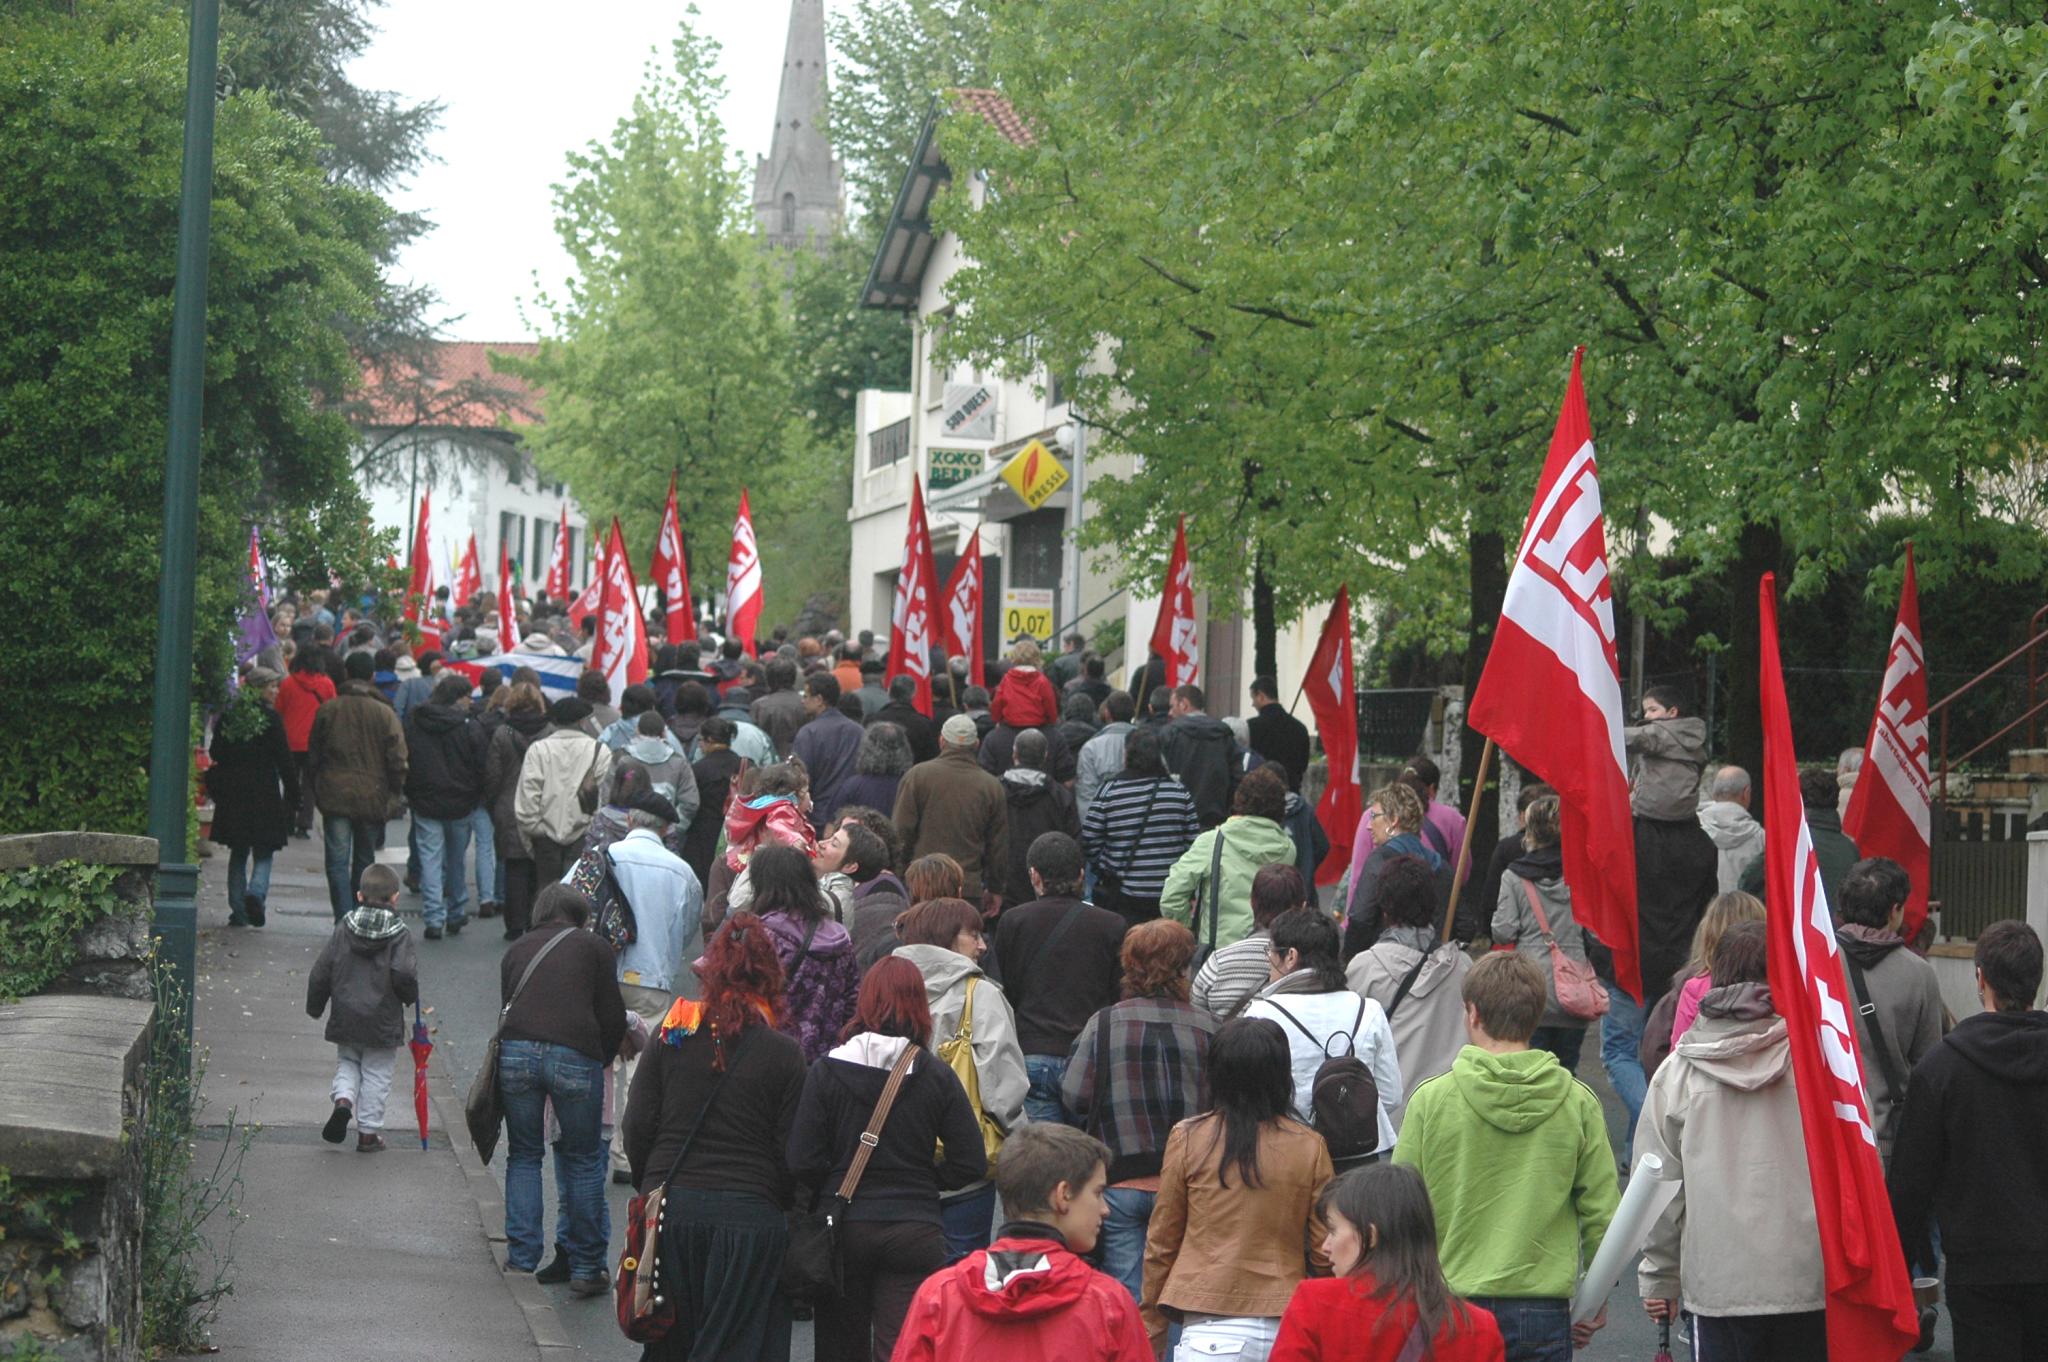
(1514, 1152)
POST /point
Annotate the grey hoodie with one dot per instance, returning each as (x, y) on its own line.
(998, 1058)
(1664, 778)
(1429, 1025)
(368, 972)
(1738, 838)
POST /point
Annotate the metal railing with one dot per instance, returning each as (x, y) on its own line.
(1945, 705)
(888, 446)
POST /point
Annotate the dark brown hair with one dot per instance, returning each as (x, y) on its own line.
(938, 922)
(1403, 1265)
(1038, 1157)
(2009, 954)
(1509, 991)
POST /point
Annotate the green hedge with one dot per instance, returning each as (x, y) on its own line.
(42, 909)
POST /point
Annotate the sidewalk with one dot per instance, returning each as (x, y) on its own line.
(341, 1255)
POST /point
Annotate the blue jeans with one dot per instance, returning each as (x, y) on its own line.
(532, 1074)
(444, 879)
(350, 844)
(565, 1173)
(1621, 1038)
(1122, 1244)
(969, 1222)
(1536, 1329)
(1042, 1103)
(248, 873)
(1563, 1041)
(490, 876)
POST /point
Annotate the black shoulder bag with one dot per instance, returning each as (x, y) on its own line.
(1109, 881)
(1895, 1082)
(483, 1109)
(1203, 950)
(1407, 982)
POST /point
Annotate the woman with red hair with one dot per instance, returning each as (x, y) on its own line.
(709, 1114)
(890, 1238)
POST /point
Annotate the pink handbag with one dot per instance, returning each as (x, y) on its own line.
(1579, 991)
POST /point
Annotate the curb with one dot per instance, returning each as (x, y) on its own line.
(549, 1338)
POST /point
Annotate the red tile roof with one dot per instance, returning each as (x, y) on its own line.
(994, 106)
(463, 393)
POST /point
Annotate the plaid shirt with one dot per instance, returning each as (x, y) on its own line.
(1152, 1064)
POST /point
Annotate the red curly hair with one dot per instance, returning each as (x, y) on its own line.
(742, 978)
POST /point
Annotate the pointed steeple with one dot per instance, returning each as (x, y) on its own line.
(798, 193)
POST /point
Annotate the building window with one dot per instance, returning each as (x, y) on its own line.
(789, 215)
(1056, 391)
(888, 446)
(543, 540)
(512, 535)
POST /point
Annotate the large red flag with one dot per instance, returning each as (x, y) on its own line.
(469, 578)
(960, 619)
(1551, 691)
(587, 600)
(1333, 698)
(508, 609)
(910, 622)
(743, 579)
(671, 572)
(620, 650)
(1889, 812)
(1870, 1297)
(421, 584)
(559, 582)
(1173, 635)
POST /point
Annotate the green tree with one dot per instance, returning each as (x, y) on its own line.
(91, 119)
(894, 57)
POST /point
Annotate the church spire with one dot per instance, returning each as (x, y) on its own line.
(798, 195)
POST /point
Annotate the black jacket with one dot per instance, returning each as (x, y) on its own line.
(714, 772)
(254, 784)
(738, 1146)
(902, 1182)
(1054, 993)
(446, 751)
(1201, 751)
(1036, 808)
(1278, 736)
(922, 732)
(1970, 1151)
(999, 746)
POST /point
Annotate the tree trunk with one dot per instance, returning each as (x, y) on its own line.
(1487, 588)
(1760, 549)
(1265, 629)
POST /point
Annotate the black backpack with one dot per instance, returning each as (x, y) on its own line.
(1345, 1097)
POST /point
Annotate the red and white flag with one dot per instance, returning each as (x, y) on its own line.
(1889, 811)
(469, 578)
(1870, 1297)
(1551, 691)
(586, 601)
(1334, 701)
(620, 649)
(508, 609)
(910, 621)
(960, 612)
(743, 580)
(560, 581)
(1173, 635)
(671, 572)
(421, 584)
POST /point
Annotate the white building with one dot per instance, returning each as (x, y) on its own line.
(956, 428)
(454, 434)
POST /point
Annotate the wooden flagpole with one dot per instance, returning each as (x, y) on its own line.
(1465, 846)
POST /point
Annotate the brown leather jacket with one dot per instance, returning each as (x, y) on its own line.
(357, 755)
(1236, 1250)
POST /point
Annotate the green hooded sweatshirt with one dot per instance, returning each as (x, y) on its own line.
(1514, 1152)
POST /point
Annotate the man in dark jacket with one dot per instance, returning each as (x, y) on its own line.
(999, 748)
(1277, 735)
(1896, 997)
(779, 712)
(1077, 720)
(827, 745)
(954, 806)
(1059, 958)
(1831, 846)
(355, 758)
(1202, 755)
(1970, 1156)
(1038, 804)
(445, 784)
(902, 711)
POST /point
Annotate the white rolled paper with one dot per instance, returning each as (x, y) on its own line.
(1649, 1193)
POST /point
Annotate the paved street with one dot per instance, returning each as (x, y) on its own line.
(347, 1256)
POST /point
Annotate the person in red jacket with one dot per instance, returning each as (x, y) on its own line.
(1388, 1300)
(1028, 1296)
(303, 691)
(1025, 698)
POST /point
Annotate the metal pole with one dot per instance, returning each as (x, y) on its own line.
(1075, 514)
(1465, 845)
(170, 749)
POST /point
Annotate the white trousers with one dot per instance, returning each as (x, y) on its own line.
(1226, 1338)
(362, 1078)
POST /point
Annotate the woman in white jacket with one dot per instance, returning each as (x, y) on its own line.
(1309, 1000)
(943, 938)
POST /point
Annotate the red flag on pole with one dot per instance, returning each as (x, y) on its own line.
(1889, 811)
(469, 578)
(1173, 635)
(1551, 691)
(620, 651)
(1333, 698)
(743, 579)
(910, 622)
(421, 583)
(587, 601)
(559, 581)
(508, 610)
(1870, 1297)
(960, 620)
(671, 572)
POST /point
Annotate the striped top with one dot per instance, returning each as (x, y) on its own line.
(1119, 837)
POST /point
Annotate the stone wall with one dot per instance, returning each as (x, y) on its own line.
(112, 954)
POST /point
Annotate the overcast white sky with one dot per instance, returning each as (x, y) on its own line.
(524, 84)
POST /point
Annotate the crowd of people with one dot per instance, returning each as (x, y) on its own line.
(1037, 991)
